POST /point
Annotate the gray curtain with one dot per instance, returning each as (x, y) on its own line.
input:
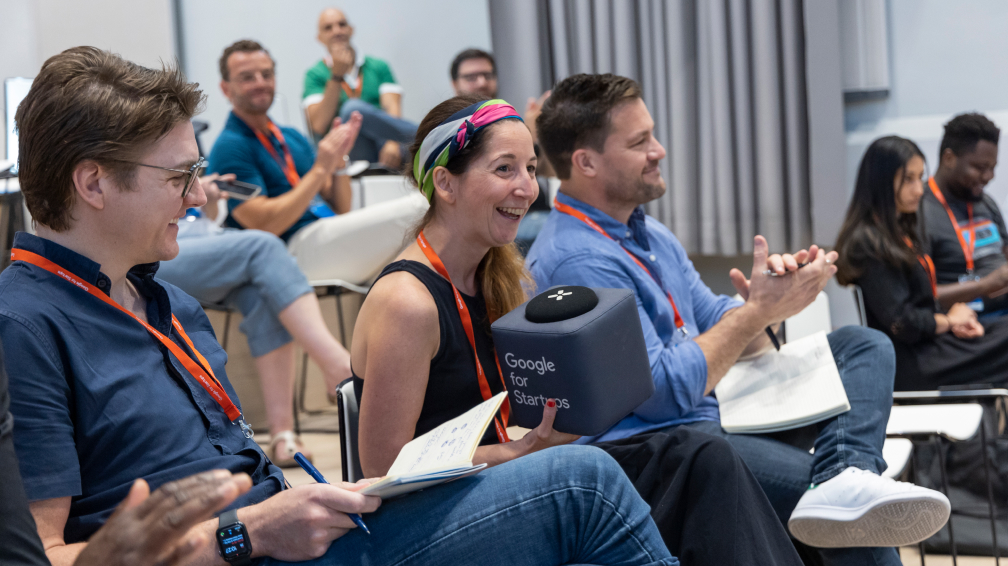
(725, 83)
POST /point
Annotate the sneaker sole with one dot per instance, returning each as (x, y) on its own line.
(896, 521)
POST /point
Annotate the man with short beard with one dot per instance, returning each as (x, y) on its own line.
(599, 135)
(969, 257)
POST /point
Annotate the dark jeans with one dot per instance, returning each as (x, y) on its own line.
(377, 128)
(709, 508)
(867, 364)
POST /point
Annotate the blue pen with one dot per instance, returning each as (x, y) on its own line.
(299, 457)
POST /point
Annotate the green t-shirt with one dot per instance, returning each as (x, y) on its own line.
(375, 74)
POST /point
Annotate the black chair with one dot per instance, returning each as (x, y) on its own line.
(346, 404)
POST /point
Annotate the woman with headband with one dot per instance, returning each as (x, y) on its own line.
(409, 330)
(423, 354)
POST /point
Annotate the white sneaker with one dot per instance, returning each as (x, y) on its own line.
(861, 508)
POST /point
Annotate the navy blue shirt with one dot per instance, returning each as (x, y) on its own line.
(238, 150)
(98, 401)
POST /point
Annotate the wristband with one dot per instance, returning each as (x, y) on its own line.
(337, 79)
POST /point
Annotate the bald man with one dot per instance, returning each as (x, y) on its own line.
(345, 81)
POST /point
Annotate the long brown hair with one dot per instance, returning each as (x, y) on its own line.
(501, 274)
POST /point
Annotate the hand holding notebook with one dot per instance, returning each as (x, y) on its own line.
(441, 455)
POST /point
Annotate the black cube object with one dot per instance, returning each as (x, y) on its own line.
(595, 363)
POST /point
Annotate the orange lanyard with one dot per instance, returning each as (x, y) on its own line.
(287, 164)
(967, 249)
(355, 93)
(928, 265)
(679, 324)
(467, 324)
(203, 374)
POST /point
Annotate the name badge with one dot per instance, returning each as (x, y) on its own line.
(976, 304)
(967, 277)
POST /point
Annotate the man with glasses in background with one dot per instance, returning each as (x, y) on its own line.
(346, 81)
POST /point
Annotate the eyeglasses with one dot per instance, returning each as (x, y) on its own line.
(471, 77)
(192, 173)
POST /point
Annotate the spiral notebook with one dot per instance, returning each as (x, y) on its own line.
(441, 455)
(773, 391)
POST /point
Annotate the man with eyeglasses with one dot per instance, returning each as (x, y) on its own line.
(346, 81)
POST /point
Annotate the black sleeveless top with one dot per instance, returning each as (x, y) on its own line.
(452, 388)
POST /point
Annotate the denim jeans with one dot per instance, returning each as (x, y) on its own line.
(249, 270)
(377, 128)
(564, 505)
(867, 365)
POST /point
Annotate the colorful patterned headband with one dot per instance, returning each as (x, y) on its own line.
(445, 141)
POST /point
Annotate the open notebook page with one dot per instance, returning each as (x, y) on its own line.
(781, 390)
(450, 445)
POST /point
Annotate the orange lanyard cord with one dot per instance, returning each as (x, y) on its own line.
(484, 385)
(679, 324)
(202, 373)
(966, 249)
(287, 163)
(928, 265)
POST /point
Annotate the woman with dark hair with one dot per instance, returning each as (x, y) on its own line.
(881, 251)
(423, 353)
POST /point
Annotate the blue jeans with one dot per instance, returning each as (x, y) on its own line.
(867, 365)
(377, 128)
(249, 270)
(564, 505)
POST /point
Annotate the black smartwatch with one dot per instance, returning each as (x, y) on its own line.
(233, 542)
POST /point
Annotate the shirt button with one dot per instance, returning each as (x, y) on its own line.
(628, 234)
(101, 283)
(653, 258)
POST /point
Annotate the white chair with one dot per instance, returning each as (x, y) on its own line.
(352, 248)
(896, 452)
(375, 189)
(813, 318)
(349, 415)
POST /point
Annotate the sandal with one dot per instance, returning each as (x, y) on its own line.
(292, 445)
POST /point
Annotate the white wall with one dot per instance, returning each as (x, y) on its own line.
(31, 31)
(418, 39)
(945, 58)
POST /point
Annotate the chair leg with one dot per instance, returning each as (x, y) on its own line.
(945, 490)
(990, 495)
(913, 477)
(339, 319)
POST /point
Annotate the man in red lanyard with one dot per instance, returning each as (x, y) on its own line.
(961, 224)
(599, 135)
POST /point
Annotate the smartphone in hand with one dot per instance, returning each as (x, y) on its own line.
(239, 190)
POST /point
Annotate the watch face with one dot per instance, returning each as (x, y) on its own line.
(233, 542)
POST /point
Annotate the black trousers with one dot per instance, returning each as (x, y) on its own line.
(709, 508)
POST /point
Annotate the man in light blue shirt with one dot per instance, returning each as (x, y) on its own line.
(598, 135)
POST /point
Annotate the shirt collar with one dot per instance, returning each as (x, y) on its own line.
(635, 230)
(79, 265)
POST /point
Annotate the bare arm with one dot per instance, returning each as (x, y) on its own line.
(321, 114)
(768, 301)
(391, 103)
(278, 214)
(50, 518)
(339, 194)
(396, 337)
(992, 284)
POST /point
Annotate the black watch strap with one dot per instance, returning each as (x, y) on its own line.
(226, 519)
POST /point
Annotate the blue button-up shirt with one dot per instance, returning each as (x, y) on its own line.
(570, 252)
(99, 402)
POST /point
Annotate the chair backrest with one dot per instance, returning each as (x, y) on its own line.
(382, 188)
(859, 299)
(349, 414)
(812, 319)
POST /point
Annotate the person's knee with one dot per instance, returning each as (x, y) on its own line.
(354, 105)
(715, 458)
(869, 346)
(584, 464)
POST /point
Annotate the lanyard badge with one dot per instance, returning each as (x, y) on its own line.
(200, 371)
(967, 247)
